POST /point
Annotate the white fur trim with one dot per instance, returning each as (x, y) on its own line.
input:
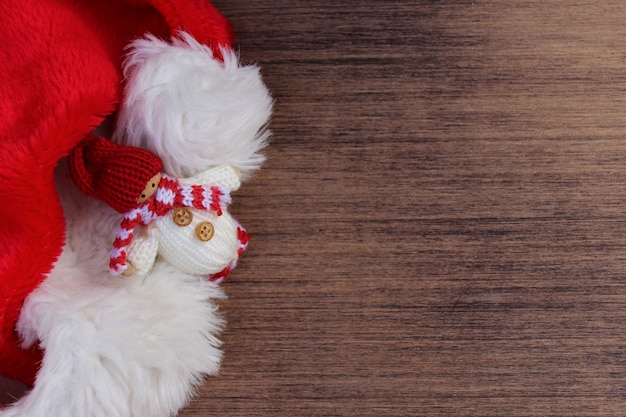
(116, 347)
(192, 109)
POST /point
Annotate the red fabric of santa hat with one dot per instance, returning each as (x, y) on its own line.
(61, 66)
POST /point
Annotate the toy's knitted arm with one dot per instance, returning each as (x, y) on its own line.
(224, 175)
(142, 252)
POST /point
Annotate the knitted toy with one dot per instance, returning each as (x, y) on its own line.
(143, 75)
(186, 222)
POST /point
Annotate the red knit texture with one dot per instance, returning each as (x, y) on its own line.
(112, 173)
(61, 75)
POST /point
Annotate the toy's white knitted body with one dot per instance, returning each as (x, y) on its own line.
(178, 242)
(137, 347)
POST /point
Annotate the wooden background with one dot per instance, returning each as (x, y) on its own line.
(439, 229)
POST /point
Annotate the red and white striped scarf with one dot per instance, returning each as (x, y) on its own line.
(170, 194)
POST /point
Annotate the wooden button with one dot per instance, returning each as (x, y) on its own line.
(205, 231)
(182, 216)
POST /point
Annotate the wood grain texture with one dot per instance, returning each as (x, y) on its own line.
(439, 228)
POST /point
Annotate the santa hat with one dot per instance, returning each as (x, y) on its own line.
(114, 174)
(55, 90)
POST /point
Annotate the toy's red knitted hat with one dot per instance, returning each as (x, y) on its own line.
(112, 173)
(61, 76)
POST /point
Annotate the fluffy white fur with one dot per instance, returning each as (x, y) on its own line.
(137, 347)
(115, 347)
(191, 109)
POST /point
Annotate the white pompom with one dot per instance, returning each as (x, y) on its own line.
(192, 109)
